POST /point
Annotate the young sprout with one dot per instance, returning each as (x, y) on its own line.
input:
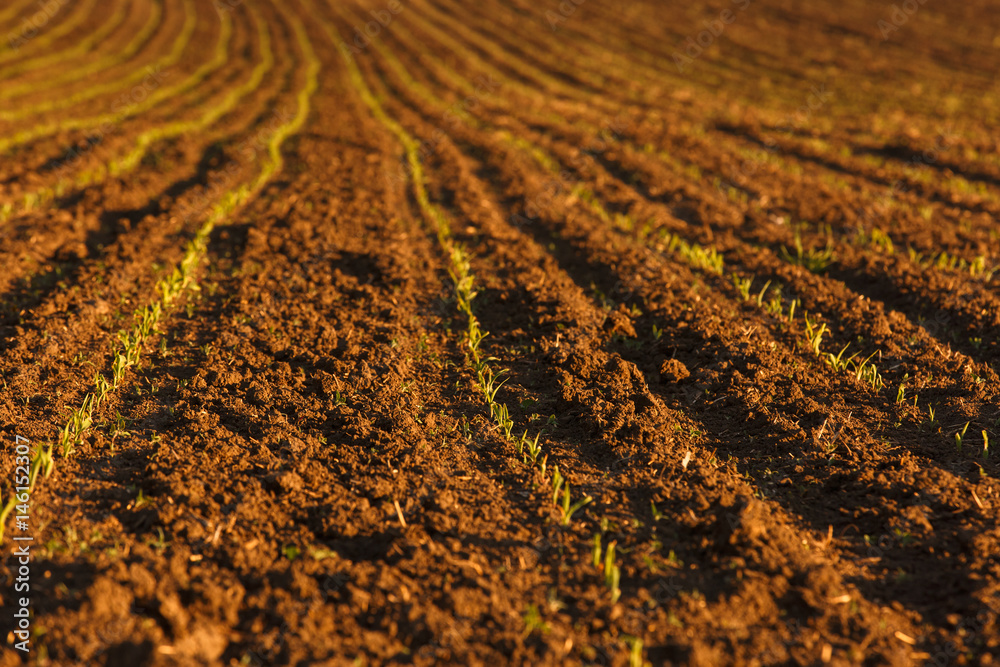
(569, 510)
(901, 392)
(707, 259)
(533, 621)
(760, 295)
(836, 361)
(742, 286)
(635, 651)
(814, 335)
(557, 482)
(960, 435)
(868, 373)
(534, 449)
(815, 260)
(774, 305)
(612, 574)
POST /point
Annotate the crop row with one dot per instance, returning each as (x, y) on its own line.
(180, 280)
(95, 66)
(28, 36)
(114, 20)
(126, 108)
(861, 369)
(612, 576)
(534, 75)
(636, 160)
(177, 49)
(526, 447)
(121, 164)
(11, 11)
(487, 380)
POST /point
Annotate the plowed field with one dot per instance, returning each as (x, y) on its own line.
(538, 333)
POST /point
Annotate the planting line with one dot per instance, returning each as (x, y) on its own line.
(107, 121)
(527, 448)
(122, 164)
(697, 256)
(112, 23)
(450, 32)
(115, 58)
(704, 259)
(180, 280)
(463, 281)
(472, 57)
(176, 51)
(709, 260)
(15, 8)
(43, 40)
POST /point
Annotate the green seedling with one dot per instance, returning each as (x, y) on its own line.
(569, 510)
(612, 574)
(791, 310)
(41, 462)
(742, 286)
(774, 305)
(707, 259)
(866, 372)
(532, 446)
(557, 482)
(160, 544)
(945, 261)
(817, 261)
(103, 389)
(141, 500)
(635, 651)
(960, 435)
(901, 392)
(118, 368)
(876, 239)
(837, 362)
(760, 295)
(814, 335)
(120, 424)
(533, 621)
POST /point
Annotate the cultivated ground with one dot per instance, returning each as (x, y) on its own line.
(538, 333)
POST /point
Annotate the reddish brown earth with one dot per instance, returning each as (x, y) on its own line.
(302, 469)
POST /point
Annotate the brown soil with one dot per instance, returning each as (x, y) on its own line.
(303, 470)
